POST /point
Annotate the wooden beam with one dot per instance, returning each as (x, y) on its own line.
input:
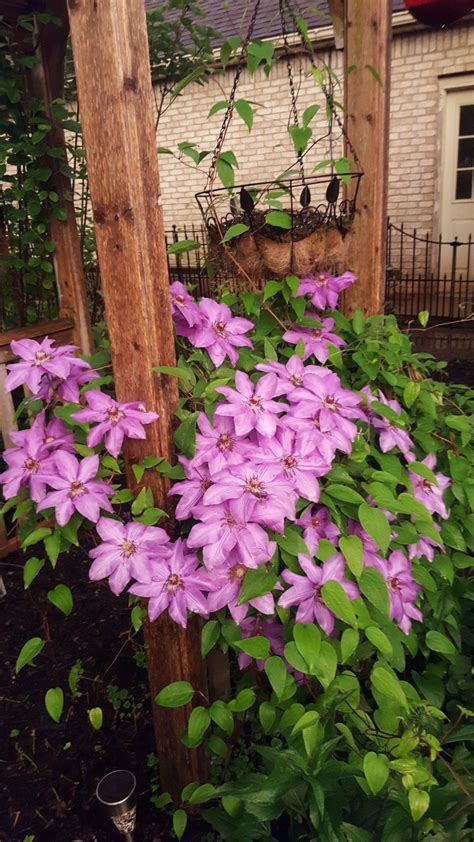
(114, 85)
(46, 82)
(368, 42)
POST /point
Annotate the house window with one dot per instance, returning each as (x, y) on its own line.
(465, 154)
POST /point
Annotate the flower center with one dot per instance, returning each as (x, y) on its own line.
(426, 486)
(31, 465)
(178, 299)
(317, 593)
(114, 414)
(219, 328)
(315, 522)
(289, 462)
(224, 442)
(128, 549)
(41, 357)
(316, 333)
(296, 379)
(315, 422)
(255, 487)
(331, 403)
(320, 279)
(237, 573)
(254, 402)
(394, 584)
(205, 483)
(173, 582)
(77, 487)
(49, 439)
(230, 519)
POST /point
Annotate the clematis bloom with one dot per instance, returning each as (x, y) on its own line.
(113, 420)
(125, 552)
(76, 488)
(220, 333)
(324, 289)
(40, 359)
(250, 405)
(305, 591)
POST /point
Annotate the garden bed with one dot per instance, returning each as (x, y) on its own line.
(50, 771)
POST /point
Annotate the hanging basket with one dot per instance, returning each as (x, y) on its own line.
(294, 227)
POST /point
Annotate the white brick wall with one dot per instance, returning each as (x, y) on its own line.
(418, 59)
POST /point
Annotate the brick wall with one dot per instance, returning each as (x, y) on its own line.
(419, 58)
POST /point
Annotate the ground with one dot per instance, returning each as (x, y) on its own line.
(48, 771)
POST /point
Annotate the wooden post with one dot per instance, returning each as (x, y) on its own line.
(368, 30)
(114, 85)
(46, 82)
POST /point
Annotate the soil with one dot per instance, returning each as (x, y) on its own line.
(49, 771)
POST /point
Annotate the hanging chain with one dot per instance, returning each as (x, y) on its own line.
(231, 101)
(294, 107)
(328, 96)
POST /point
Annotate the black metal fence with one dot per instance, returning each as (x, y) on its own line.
(428, 274)
(189, 267)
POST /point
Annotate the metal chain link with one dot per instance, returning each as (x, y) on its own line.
(291, 83)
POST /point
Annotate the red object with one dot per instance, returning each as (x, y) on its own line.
(438, 13)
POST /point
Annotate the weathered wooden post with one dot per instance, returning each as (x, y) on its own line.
(111, 58)
(367, 45)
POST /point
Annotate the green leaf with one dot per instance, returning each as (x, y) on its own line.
(202, 793)
(257, 647)
(221, 715)
(358, 322)
(344, 494)
(174, 695)
(54, 702)
(198, 724)
(31, 569)
(423, 317)
(243, 701)
(309, 113)
(352, 550)
(61, 598)
(326, 666)
(336, 599)
(225, 172)
(272, 288)
(308, 641)
(35, 536)
(28, 652)
(235, 231)
(182, 246)
(349, 643)
(438, 642)
(387, 685)
(294, 658)
(186, 374)
(257, 581)
(376, 771)
(218, 106)
(96, 718)
(185, 435)
(372, 585)
(137, 616)
(279, 219)
(376, 525)
(180, 820)
(419, 801)
(266, 715)
(379, 640)
(300, 136)
(309, 718)
(209, 636)
(245, 112)
(276, 672)
(52, 544)
(410, 393)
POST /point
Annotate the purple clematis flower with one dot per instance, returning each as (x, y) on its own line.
(250, 405)
(427, 492)
(54, 434)
(176, 584)
(290, 375)
(191, 490)
(76, 488)
(38, 359)
(183, 307)
(114, 420)
(125, 552)
(267, 498)
(298, 462)
(28, 463)
(324, 289)
(221, 333)
(424, 547)
(217, 444)
(66, 390)
(228, 580)
(390, 435)
(305, 591)
(317, 524)
(224, 529)
(314, 339)
(402, 590)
